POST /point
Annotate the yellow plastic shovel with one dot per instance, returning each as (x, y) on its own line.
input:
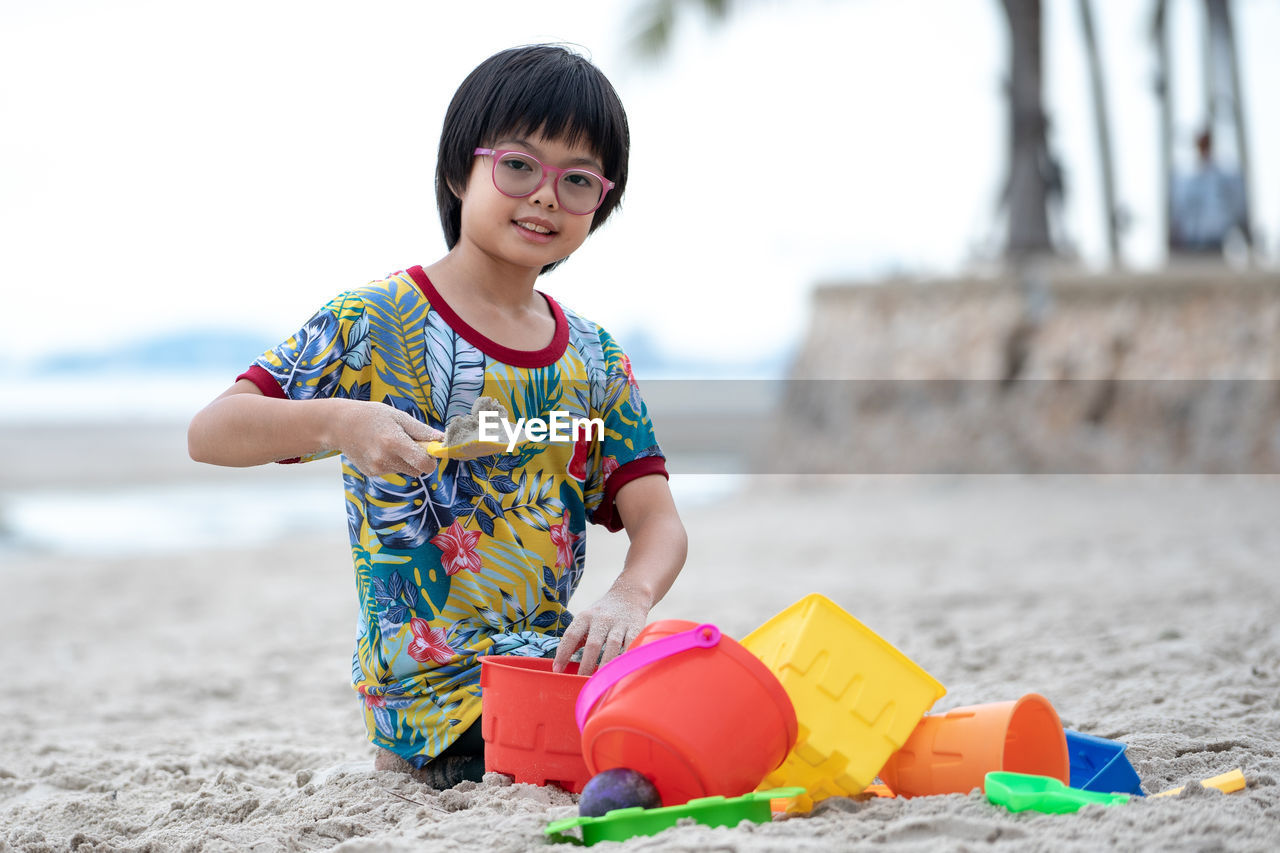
(466, 450)
(1232, 780)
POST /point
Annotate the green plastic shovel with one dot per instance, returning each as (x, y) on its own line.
(1019, 792)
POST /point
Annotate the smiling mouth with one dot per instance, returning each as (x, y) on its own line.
(536, 229)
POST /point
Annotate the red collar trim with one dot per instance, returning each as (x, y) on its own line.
(544, 357)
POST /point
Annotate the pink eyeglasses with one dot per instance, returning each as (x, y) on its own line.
(518, 175)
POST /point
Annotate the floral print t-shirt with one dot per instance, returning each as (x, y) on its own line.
(480, 557)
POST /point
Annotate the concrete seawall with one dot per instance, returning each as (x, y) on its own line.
(1052, 372)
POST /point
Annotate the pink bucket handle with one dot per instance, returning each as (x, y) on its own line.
(702, 637)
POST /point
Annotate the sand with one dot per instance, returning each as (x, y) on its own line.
(199, 700)
(465, 428)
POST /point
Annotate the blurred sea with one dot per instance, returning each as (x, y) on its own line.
(94, 464)
(111, 396)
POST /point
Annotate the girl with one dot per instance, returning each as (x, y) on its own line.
(481, 557)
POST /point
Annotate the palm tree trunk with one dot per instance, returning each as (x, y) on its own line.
(1025, 190)
(1225, 62)
(1102, 126)
(1163, 87)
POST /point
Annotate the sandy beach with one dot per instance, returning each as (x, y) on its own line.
(198, 698)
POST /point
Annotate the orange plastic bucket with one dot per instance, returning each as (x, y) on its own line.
(951, 753)
(703, 720)
(527, 723)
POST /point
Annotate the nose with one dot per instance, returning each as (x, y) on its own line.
(545, 194)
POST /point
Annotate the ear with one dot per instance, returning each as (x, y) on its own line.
(459, 194)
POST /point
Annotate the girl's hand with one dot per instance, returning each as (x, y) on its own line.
(381, 440)
(607, 627)
(658, 547)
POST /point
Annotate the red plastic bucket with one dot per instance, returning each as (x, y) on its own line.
(527, 723)
(703, 717)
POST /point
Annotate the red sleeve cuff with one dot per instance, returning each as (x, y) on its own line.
(265, 381)
(607, 513)
(270, 388)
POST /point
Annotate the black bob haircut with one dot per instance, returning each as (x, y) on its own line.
(544, 89)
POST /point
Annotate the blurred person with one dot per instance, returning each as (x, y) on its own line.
(473, 558)
(1207, 204)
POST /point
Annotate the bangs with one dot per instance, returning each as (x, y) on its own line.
(567, 104)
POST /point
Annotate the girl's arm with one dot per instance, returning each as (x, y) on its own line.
(243, 427)
(656, 555)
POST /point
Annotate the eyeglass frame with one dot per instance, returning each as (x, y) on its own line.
(547, 171)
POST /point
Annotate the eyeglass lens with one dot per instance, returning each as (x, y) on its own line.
(518, 175)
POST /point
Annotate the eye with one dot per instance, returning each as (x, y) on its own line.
(518, 163)
(582, 180)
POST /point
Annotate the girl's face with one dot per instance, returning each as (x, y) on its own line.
(534, 230)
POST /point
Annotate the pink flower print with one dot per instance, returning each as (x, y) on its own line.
(577, 468)
(563, 538)
(610, 465)
(631, 378)
(458, 547)
(428, 643)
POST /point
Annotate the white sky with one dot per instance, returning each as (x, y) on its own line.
(172, 164)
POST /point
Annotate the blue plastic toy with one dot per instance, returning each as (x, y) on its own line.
(1098, 764)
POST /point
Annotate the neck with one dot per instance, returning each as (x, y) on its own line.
(467, 274)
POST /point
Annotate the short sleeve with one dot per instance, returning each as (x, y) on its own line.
(323, 359)
(630, 447)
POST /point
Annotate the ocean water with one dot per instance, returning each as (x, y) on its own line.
(184, 515)
(115, 395)
(165, 518)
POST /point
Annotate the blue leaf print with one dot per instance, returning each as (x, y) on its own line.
(509, 599)
(561, 587)
(424, 600)
(356, 355)
(507, 461)
(503, 484)
(355, 519)
(615, 386)
(396, 597)
(539, 393)
(584, 337)
(486, 522)
(396, 316)
(525, 643)
(455, 368)
(403, 515)
(304, 364)
(382, 717)
(409, 407)
(545, 619)
(469, 487)
(355, 391)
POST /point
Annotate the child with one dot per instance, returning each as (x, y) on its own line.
(475, 558)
